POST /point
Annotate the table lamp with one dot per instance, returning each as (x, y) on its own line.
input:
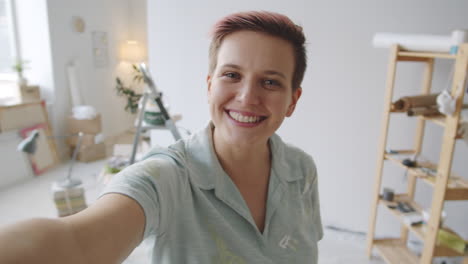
(132, 51)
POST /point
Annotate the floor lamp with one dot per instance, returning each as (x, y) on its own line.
(68, 192)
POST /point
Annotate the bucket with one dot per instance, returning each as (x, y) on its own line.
(152, 114)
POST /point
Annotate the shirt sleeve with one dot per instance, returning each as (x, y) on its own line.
(312, 186)
(140, 182)
(316, 206)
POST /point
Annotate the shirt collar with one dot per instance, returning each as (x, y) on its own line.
(206, 171)
(202, 160)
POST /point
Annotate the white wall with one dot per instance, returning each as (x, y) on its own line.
(137, 24)
(48, 41)
(96, 84)
(338, 117)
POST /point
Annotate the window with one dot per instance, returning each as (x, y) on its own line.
(8, 50)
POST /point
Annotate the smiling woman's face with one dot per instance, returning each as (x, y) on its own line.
(250, 90)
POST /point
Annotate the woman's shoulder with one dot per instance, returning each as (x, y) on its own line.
(179, 155)
(174, 154)
(181, 149)
(292, 154)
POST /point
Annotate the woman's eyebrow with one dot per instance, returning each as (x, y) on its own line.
(230, 65)
(271, 72)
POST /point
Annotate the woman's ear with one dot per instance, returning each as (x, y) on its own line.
(295, 97)
(208, 83)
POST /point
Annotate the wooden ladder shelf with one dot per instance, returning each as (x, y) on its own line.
(446, 185)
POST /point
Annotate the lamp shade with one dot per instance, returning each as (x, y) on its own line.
(132, 51)
(29, 144)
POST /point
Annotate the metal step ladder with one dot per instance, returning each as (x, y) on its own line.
(151, 93)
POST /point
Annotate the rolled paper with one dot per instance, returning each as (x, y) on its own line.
(408, 102)
(423, 111)
(459, 36)
(73, 85)
(421, 42)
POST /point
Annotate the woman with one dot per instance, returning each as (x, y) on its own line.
(231, 193)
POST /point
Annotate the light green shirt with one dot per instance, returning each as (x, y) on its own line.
(198, 215)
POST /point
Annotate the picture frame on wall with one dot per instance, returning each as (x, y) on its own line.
(100, 49)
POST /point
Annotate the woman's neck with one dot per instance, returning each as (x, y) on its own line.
(241, 159)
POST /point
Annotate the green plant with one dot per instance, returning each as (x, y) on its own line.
(20, 66)
(138, 75)
(129, 92)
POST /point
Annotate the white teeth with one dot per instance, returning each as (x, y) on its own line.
(244, 119)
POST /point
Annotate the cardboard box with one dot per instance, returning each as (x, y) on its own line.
(91, 153)
(30, 93)
(86, 140)
(87, 126)
(17, 115)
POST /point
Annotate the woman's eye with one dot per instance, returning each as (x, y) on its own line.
(271, 83)
(231, 75)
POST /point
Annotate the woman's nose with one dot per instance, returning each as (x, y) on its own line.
(249, 93)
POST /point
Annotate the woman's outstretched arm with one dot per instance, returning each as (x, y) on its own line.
(106, 232)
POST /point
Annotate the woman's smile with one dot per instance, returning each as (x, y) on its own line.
(245, 119)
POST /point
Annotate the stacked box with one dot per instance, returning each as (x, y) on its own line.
(87, 126)
(92, 152)
(86, 140)
(91, 149)
(68, 201)
(30, 93)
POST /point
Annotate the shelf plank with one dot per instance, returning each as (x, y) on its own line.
(457, 187)
(437, 119)
(446, 252)
(418, 230)
(397, 157)
(420, 56)
(440, 121)
(404, 152)
(394, 251)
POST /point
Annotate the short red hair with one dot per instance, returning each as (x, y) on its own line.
(270, 23)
